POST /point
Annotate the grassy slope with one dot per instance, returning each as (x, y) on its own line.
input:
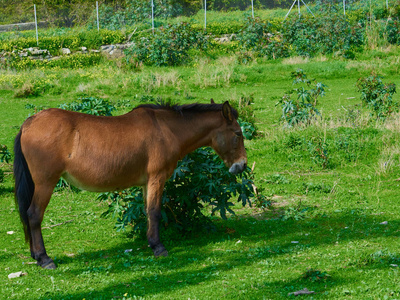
(251, 256)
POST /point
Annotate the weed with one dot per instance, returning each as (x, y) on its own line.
(311, 187)
(296, 213)
(5, 155)
(277, 179)
(318, 149)
(380, 257)
(315, 275)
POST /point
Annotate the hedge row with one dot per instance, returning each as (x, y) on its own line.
(170, 45)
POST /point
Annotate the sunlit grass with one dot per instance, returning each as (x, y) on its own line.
(340, 220)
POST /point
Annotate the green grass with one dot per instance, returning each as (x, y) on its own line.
(324, 221)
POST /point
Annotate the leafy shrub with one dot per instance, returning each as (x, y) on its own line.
(303, 109)
(256, 36)
(325, 34)
(244, 106)
(377, 96)
(393, 32)
(169, 46)
(200, 179)
(90, 105)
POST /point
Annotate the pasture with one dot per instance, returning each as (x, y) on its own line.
(333, 226)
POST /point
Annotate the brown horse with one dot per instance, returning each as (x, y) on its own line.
(140, 148)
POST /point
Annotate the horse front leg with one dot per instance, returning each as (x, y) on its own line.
(36, 210)
(153, 193)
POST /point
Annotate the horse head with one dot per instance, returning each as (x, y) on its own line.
(228, 141)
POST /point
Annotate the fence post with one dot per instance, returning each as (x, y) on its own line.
(97, 13)
(152, 16)
(252, 9)
(298, 5)
(205, 14)
(344, 7)
(37, 37)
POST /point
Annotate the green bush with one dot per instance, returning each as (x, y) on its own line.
(378, 96)
(309, 36)
(258, 36)
(200, 179)
(393, 32)
(168, 46)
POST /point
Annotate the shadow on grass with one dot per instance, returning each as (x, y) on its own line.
(260, 240)
(4, 190)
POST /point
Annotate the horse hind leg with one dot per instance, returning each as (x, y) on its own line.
(41, 198)
(153, 194)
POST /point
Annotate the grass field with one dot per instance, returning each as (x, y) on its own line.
(333, 227)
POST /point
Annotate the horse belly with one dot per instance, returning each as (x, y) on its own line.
(104, 184)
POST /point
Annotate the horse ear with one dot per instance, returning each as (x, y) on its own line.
(227, 111)
(212, 101)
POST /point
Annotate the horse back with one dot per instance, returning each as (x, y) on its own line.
(95, 153)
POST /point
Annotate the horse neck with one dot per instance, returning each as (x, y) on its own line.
(196, 130)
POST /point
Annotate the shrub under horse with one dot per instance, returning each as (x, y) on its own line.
(140, 148)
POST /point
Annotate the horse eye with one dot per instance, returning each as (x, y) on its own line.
(238, 133)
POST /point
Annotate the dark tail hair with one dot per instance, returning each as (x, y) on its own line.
(24, 186)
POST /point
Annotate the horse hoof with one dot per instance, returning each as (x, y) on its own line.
(50, 265)
(162, 252)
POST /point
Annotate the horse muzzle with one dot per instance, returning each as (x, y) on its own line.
(238, 167)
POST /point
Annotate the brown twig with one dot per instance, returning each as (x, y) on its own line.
(58, 224)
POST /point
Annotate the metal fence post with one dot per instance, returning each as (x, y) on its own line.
(152, 16)
(37, 37)
(97, 12)
(205, 14)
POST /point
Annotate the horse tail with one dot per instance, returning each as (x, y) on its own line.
(24, 185)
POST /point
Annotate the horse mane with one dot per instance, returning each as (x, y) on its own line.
(187, 108)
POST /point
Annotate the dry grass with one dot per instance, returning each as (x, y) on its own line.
(295, 60)
(215, 75)
(150, 82)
